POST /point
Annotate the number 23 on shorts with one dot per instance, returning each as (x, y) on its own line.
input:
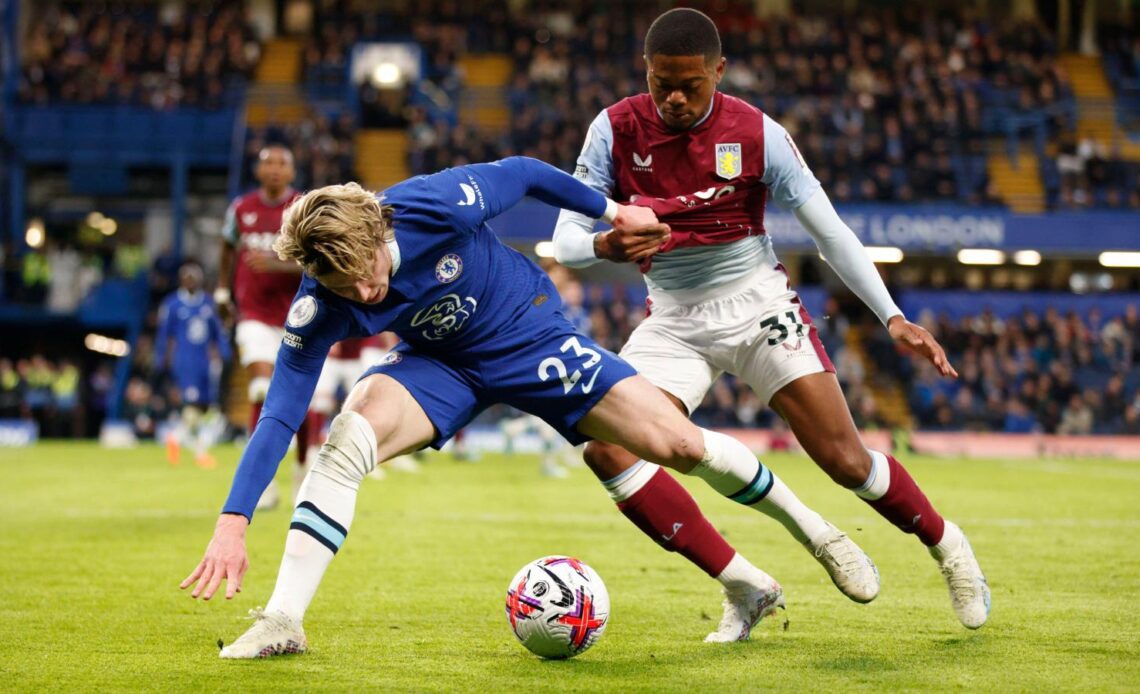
(554, 366)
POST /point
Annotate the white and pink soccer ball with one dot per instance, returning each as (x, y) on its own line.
(557, 606)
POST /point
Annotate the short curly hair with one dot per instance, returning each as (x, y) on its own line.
(335, 229)
(683, 31)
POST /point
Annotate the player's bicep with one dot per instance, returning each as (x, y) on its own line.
(229, 225)
(310, 331)
(790, 181)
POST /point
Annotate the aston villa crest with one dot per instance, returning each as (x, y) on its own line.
(728, 160)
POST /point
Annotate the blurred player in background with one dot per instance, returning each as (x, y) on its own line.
(719, 300)
(188, 324)
(262, 286)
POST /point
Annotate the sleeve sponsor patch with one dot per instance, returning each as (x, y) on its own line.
(582, 172)
(293, 340)
(796, 151)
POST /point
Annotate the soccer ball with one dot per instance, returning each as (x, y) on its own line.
(557, 606)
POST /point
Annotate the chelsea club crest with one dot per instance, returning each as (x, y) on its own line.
(728, 159)
(448, 268)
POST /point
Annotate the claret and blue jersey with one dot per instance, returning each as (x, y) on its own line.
(480, 323)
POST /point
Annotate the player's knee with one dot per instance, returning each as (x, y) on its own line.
(350, 452)
(607, 460)
(370, 400)
(680, 450)
(847, 465)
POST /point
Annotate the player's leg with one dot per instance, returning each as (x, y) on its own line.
(673, 350)
(817, 413)
(662, 435)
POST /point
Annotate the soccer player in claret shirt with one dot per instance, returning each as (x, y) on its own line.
(263, 287)
(719, 299)
(480, 325)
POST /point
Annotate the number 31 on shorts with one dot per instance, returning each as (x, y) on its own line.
(553, 366)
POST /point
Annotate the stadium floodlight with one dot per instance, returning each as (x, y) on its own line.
(981, 256)
(1120, 259)
(1027, 258)
(108, 226)
(34, 236)
(544, 249)
(386, 74)
(884, 254)
(95, 219)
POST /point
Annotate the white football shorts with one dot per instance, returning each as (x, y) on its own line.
(335, 374)
(754, 328)
(257, 341)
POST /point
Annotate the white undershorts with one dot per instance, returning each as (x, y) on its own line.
(257, 341)
(754, 328)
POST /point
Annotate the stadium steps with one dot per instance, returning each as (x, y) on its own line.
(281, 104)
(888, 394)
(1018, 183)
(382, 157)
(280, 62)
(237, 399)
(1096, 105)
(484, 99)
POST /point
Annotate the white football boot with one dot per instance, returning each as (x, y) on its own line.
(851, 570)
(969, 592)
(744, 609)
(272, 633)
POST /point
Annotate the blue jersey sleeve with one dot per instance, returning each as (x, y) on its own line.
(483, 191)
(311, 329)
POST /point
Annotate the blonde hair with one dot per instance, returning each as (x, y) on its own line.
(335, 229)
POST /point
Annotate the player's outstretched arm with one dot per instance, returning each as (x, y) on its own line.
(845, 254)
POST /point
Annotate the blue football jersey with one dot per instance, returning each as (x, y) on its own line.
(192, 321)
(455, 291)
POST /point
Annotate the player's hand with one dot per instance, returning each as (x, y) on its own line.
(262, 261)
(919, 340)
(225, 559)
(636, 235)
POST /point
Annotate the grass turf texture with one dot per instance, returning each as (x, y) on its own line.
(95, 542)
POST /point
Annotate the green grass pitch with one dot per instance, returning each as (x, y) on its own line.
(95, 542)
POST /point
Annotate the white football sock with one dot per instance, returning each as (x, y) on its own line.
(630, 481)
(951, 540)
(731, 469)
(741, 575)
(325, 507)
(878, 480)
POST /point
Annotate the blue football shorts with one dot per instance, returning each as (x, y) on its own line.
(549, 370)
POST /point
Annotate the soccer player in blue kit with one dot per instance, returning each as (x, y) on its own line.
(480, 325)
(190, 330)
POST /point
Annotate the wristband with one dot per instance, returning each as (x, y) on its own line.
(611, 212)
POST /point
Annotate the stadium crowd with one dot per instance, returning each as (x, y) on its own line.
(160, 56)
(323, 149)
(1052, 373)
(886, 105)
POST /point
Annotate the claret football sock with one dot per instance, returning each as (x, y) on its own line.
(662, 509)
(892, 492)
(732, 470)
(325, 507)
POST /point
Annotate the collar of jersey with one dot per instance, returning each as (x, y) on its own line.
(188, 298)
(712, 106)
(394, 249)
